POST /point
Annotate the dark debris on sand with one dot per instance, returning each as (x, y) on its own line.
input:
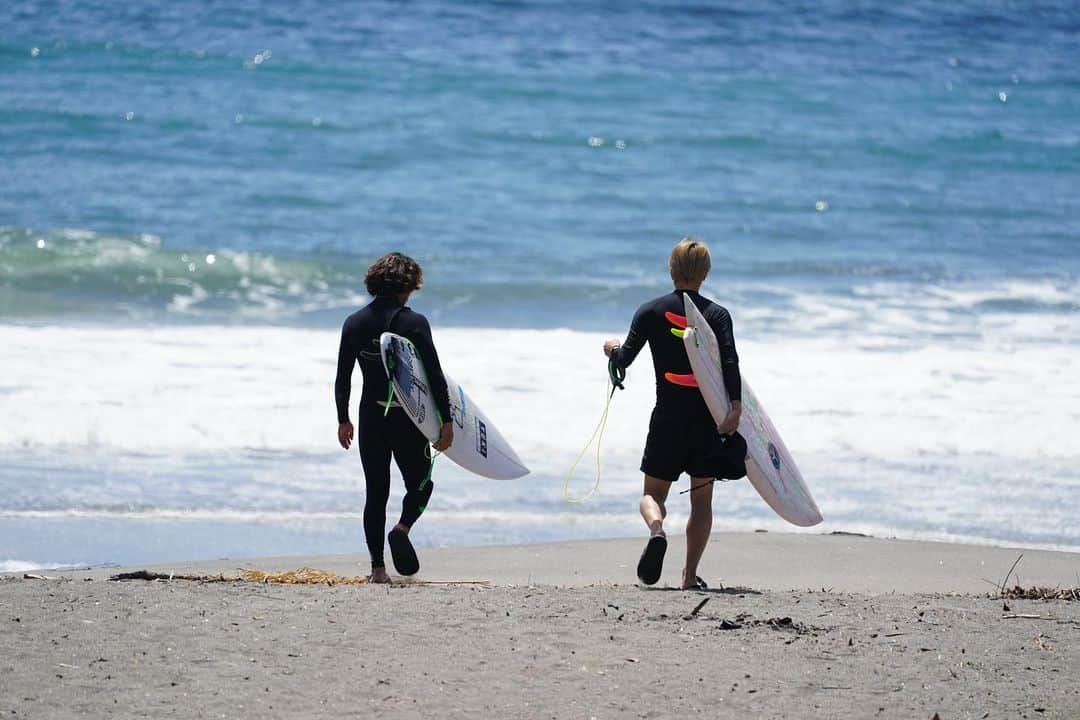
(1037, 593)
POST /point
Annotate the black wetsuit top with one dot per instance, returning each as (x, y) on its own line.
(651, 324)
(360, 343)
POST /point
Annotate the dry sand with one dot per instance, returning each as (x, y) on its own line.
(80, 645)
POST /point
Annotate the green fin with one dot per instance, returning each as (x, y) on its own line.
(678, 333)
(389, 399)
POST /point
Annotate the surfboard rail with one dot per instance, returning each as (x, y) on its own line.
(769, 465)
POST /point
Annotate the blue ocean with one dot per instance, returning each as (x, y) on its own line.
(191, 191)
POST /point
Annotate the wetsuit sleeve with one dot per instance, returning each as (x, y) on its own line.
(625, 354)
(343, 383)
(420, 334)
(720, 322)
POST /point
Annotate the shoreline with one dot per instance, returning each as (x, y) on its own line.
(184, 540)
(843, 562)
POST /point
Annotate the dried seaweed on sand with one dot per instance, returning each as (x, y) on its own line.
(300, 576)
(1038, 593)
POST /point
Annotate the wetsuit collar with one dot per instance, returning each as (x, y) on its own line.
(696, 291)
(387, 301)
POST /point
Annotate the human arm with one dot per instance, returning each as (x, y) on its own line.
(719, 320)
(622, 354)
(446, 437)
(345, 434)
(731, 421)
(343, 388)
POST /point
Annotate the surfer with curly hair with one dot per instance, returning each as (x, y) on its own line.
(683, 437)
(383, 430)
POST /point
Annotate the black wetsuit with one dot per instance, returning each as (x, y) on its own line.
(380, 434)
(682, 433)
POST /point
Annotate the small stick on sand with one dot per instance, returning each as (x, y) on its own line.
(450, 582)
(1001, 589)
(698, 608)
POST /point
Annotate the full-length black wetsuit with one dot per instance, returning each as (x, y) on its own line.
(380, 434)
(682, 433)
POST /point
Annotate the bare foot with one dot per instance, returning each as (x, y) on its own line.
(378, 575)
(690, 581)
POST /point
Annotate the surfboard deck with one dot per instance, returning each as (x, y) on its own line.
(478, 445)
(769, 465)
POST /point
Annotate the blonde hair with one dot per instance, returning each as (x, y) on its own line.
(689, 262)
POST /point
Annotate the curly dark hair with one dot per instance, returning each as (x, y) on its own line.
(394, 274)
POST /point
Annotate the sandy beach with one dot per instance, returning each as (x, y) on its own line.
(794, 626)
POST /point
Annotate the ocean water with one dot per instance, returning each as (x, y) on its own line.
(190, 193)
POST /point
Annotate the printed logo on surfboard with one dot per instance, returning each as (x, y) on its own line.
(774, 456)
(413, 381)
(402, 370)
(458, 412)
(481, 437)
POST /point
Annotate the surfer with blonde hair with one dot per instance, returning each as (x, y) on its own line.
(383, 429)
(683, 437)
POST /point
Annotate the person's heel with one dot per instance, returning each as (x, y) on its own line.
(402, 552)
(651, 563)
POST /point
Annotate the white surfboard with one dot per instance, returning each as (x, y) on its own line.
(478, 445)
(769, 465)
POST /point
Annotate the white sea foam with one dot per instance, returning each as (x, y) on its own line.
(220, 388)
(960, 439)
(1014, 310)
(12, 566)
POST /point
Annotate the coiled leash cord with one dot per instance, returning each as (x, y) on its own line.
(616, 376)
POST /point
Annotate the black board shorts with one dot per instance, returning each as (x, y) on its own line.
(679, 443)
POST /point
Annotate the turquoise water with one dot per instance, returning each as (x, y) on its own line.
(899, 178)
(531, 150)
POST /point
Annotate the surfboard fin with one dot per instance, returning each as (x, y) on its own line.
(678, 321)
(678, 333)
(683, 380)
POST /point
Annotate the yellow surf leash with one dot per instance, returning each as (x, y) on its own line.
(616, 375)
